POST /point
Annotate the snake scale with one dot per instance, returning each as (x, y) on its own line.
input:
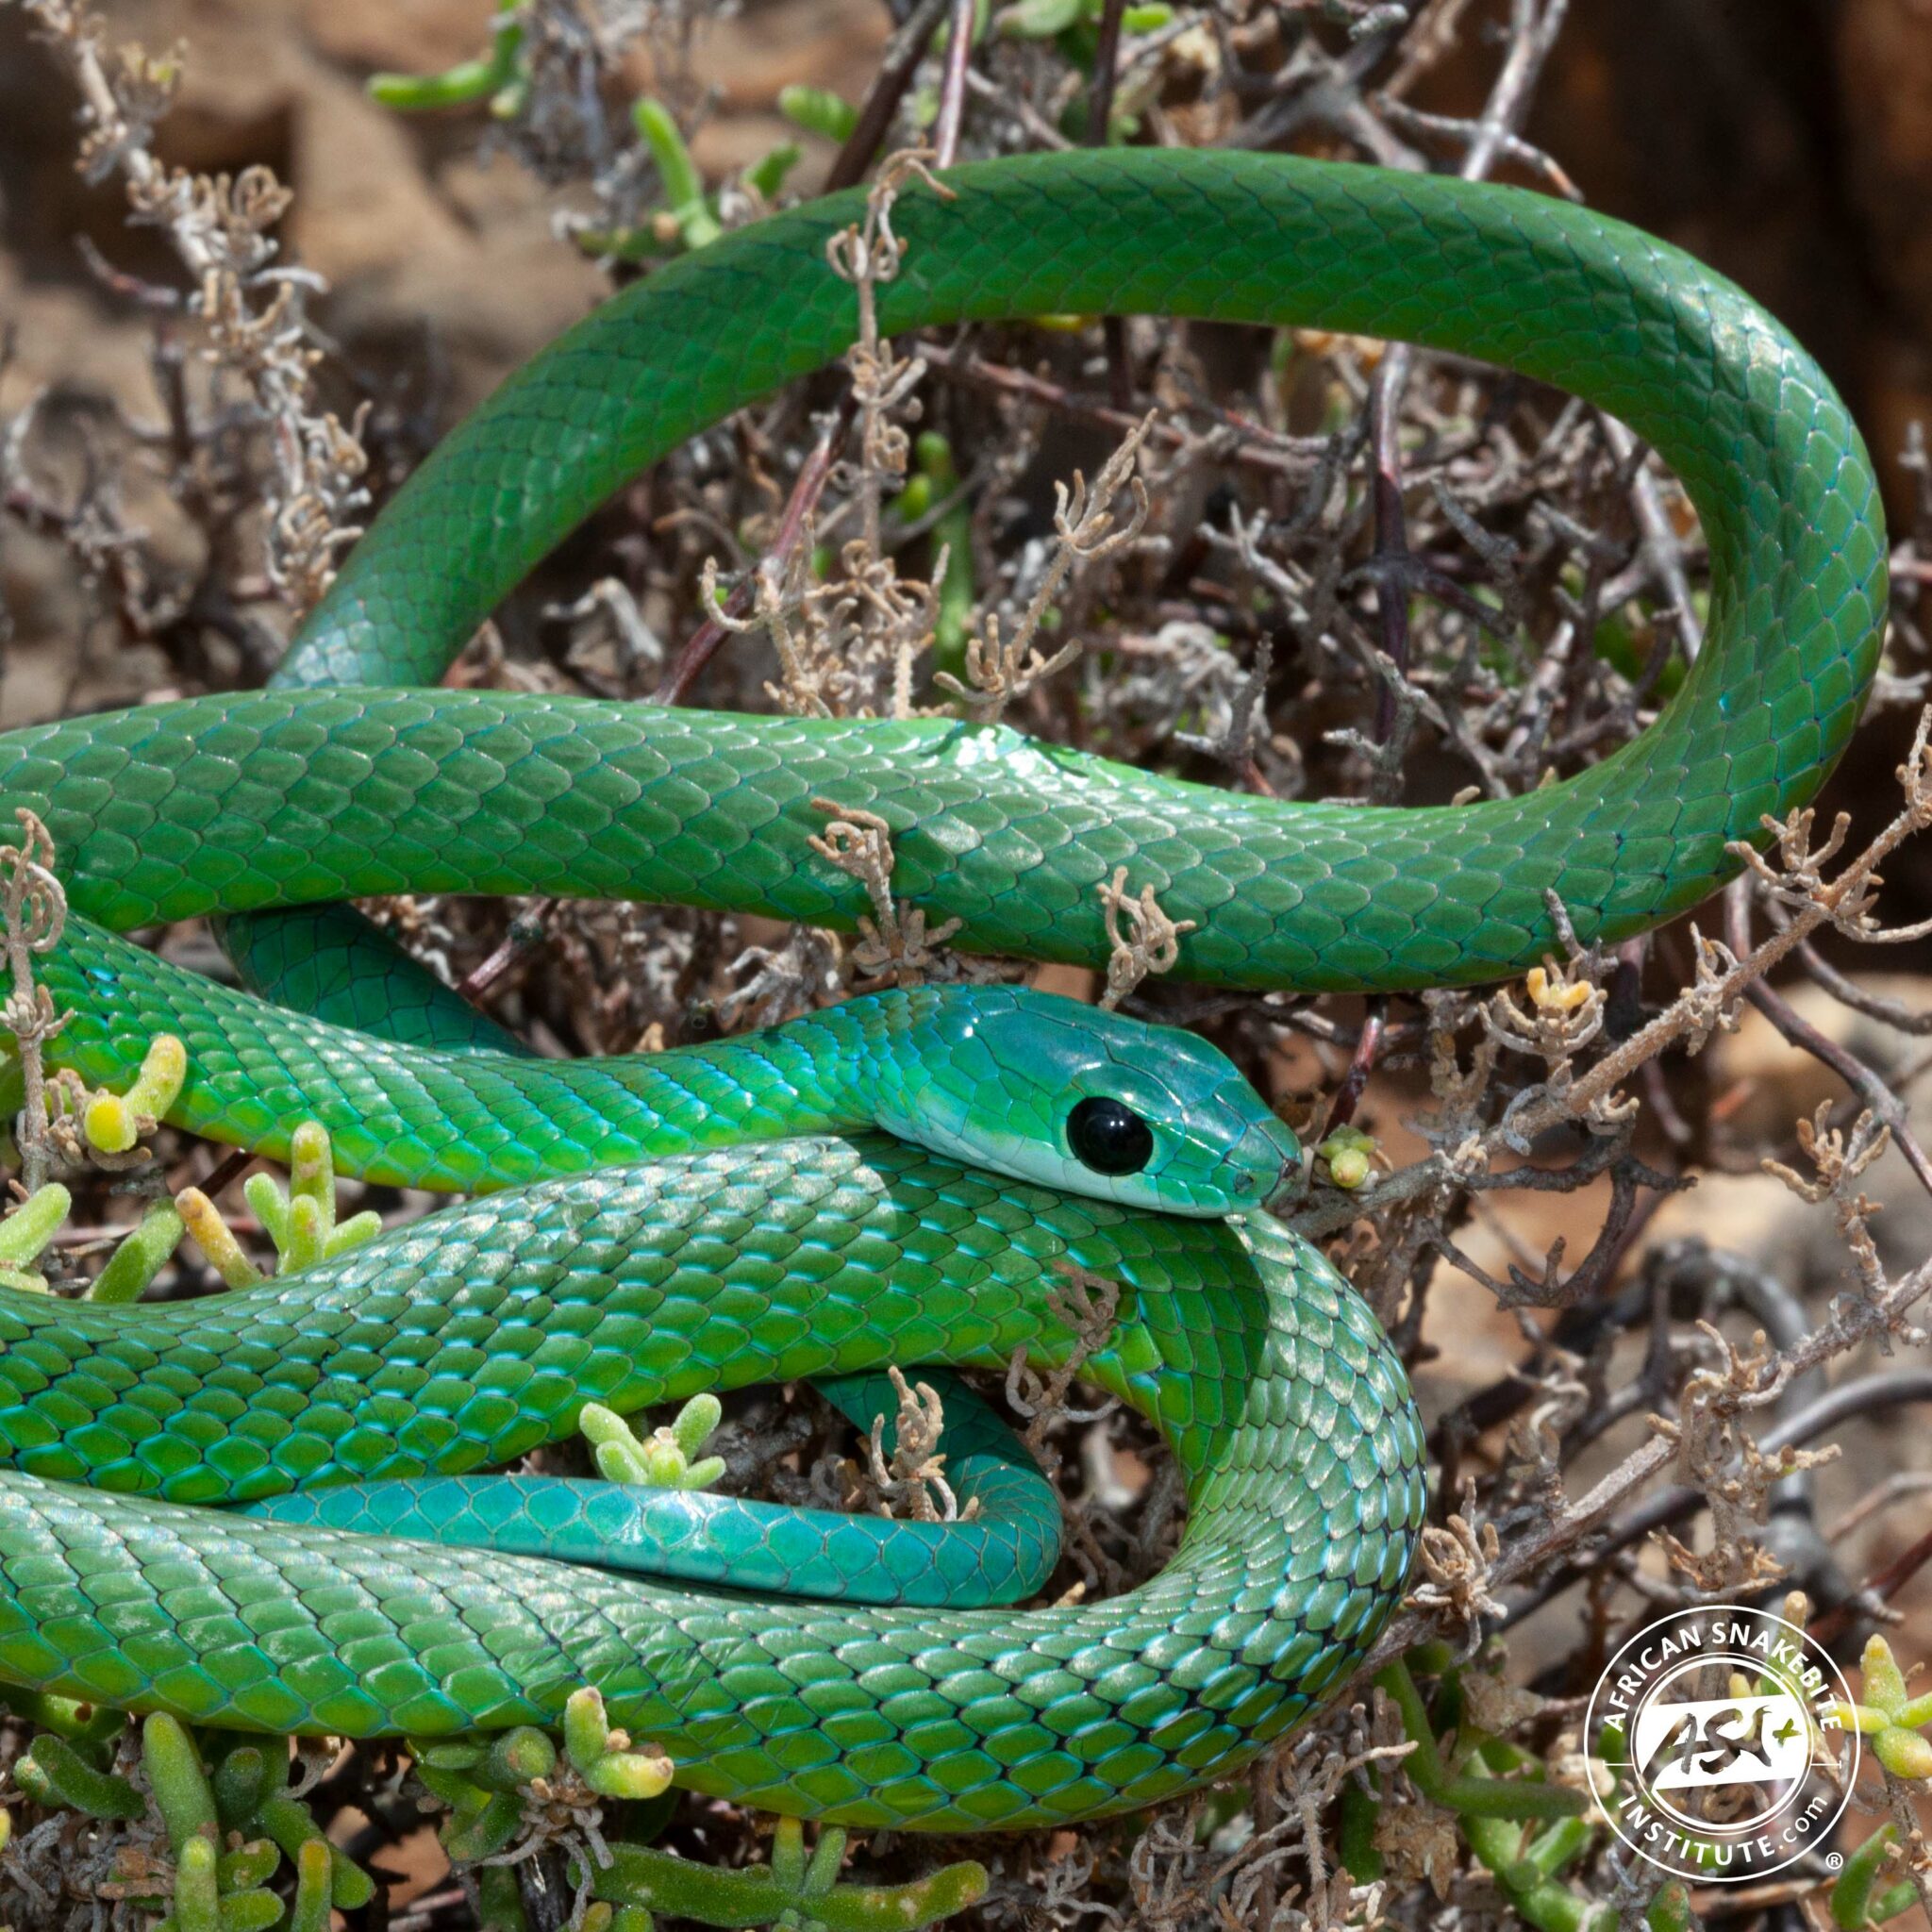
(638, 1237)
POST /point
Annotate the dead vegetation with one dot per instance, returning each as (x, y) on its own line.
(1307, 567)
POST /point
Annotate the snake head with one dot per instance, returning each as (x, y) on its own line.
(1047, 1090)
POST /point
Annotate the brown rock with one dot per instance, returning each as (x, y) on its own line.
(1885, 88)
(399, 36)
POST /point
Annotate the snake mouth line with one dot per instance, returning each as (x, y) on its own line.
(1286, 1190)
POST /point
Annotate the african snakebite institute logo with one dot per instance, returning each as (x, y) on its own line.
(1718, 1727)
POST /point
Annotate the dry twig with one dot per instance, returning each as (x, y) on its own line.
(34, 908)
(894, 945)
(999, 673)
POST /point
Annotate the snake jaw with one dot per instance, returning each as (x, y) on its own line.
(1263, 1165)
(1286, 1190)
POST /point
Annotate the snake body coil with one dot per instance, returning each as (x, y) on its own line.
(477, 1334)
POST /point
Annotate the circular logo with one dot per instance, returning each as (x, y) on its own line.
(1719, 1733)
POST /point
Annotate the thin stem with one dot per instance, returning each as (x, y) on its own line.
(814, 473)
(1871, 1092)
(907, 49)
(1106, 54)
(945, 140)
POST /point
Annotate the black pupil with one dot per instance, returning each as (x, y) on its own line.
(1109, 1138)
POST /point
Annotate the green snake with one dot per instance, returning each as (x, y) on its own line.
(961, 1148)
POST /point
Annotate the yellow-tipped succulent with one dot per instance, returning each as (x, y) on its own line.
(668, 1458)
(1555, 993)
(300, 1220)
(1886, 1717)
(216, 1239)
(604, 1757)
(1350, 1155)
(114, 1122)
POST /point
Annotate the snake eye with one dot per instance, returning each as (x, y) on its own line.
(1109, 1138)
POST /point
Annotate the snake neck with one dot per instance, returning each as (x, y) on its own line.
(479, 1121)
